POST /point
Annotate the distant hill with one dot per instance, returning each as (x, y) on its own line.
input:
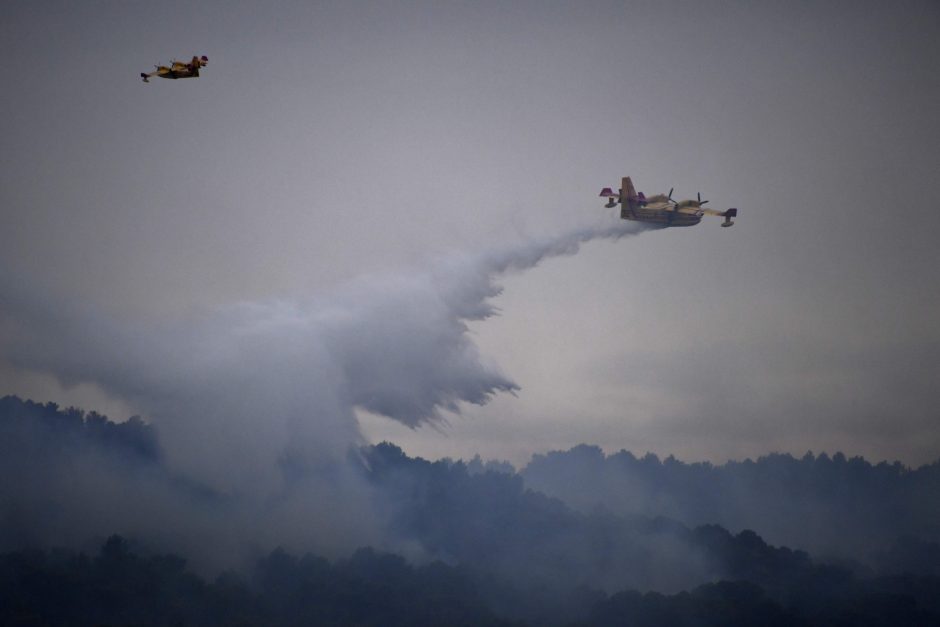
(827, 505)
(483, 546)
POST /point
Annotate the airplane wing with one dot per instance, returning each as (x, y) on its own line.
(161, 70)
(727, 215)
(715, 212)
(699, 210)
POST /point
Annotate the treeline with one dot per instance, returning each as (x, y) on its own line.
(557, 565)
(44, 432)
(68, 477)
(834, 505)
(482, 544)
(121, 587)
(732, 603)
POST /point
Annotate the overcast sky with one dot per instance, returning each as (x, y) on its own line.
(325, 142)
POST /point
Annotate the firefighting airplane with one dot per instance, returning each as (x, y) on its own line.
(177, 69)
(661, 208)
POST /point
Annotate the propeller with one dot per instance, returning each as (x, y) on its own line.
(669, 196)
(700, 201)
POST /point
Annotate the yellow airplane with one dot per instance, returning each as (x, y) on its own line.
(661, 208)
(177, 69)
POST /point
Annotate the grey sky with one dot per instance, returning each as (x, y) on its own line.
(334, 140)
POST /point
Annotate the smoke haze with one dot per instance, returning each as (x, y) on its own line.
(507, 549)
(257, 401)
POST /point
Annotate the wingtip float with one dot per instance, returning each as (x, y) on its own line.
(661, 208)
(177, 69)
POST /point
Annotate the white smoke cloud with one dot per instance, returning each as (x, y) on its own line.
(247, 396)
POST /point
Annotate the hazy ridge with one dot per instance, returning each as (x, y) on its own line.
(831, 505)
(462, 543)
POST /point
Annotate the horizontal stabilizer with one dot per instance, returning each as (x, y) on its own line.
(608, 193)
(730, 213)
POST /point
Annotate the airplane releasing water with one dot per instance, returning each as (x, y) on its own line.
(661, 208)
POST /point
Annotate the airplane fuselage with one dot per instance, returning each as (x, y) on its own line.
(185, 73)
(658, 209)
(655, 215)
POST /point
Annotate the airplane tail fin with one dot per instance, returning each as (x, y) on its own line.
(626, 196)
(730, 213)
(629, 199)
